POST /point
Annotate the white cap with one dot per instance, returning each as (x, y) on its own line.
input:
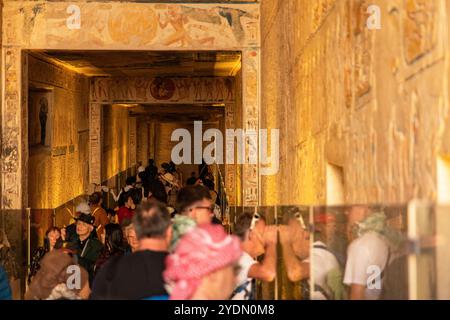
(83, 207)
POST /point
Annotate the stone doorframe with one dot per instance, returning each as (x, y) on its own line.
(80, 25)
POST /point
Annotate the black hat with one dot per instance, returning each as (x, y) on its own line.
(87, 218)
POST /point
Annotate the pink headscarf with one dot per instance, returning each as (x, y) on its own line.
(200, 252)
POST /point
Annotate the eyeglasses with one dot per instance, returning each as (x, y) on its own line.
(209, 208)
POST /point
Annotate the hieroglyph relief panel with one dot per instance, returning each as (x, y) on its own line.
(163, 90)
(131, 25)
(250, 91)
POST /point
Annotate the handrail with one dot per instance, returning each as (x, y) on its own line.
(224, 204)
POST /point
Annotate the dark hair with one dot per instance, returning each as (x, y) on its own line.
(209, 184)
(151, 220)
(136, 195)
(243, 224)
(58, 243)
(130, 181)
(110, 212)
(189, 195)
(113, 238)
(95, 198)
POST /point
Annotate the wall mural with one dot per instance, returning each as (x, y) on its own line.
(106, 25)
(40, 105)
(154, 90)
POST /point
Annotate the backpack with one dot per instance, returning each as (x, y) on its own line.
(395, 284)
(335, 289)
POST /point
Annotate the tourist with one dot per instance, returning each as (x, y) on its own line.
(139, 275)
(300, 258)
(203, 265)
(131, 238)
(195, 202)
(59, 278)
(112, 216)
(368, 247)
(151, 169)
(192, 179)
(130, 182)
(114, 245)
(52, 241)
(5, 289)
(126, 211)
(9, 263)
(69, 234)
(101, 218)
(256, 239)
(86, 246)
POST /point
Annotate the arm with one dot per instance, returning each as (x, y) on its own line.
(266, 271)
(296, 269)
(357, 292)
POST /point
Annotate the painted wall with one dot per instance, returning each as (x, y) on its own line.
(58, 173)
(372, 102)
(116, 147)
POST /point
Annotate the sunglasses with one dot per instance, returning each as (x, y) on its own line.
(256, 217)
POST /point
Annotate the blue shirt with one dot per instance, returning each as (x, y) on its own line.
(5, 289)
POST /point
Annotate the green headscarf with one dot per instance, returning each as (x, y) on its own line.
(180, 226)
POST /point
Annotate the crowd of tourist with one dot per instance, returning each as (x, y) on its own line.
(165, 240)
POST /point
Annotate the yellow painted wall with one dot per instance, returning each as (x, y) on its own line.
(55, 178)
(374, 102)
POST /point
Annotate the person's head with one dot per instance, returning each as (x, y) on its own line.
(136, 196)
(209, 184)
(325, 226)
(130, 181)
(96, 199)
(132, 240)
(129, 200)
(151, 162)
(299, 233)
(50, 281)
(85, 225)
(355, 215)
(111, 214)
(249, 228)
(195, 202)
(52, 239)
(113, 237)
(152, 225)
(203, 265)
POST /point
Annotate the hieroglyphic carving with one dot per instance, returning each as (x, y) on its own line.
(12, 131)
(250, 103)
(167, 90)
(359, 39)
(95, 142)
(230, 169)
(132, 142)
(419, 29)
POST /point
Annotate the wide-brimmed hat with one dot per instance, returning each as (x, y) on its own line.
(87, 218)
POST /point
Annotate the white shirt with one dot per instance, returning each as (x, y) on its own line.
(363, 255)
(323, 261)
(245, 262)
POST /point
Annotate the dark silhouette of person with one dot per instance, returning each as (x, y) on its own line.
(43, 111)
